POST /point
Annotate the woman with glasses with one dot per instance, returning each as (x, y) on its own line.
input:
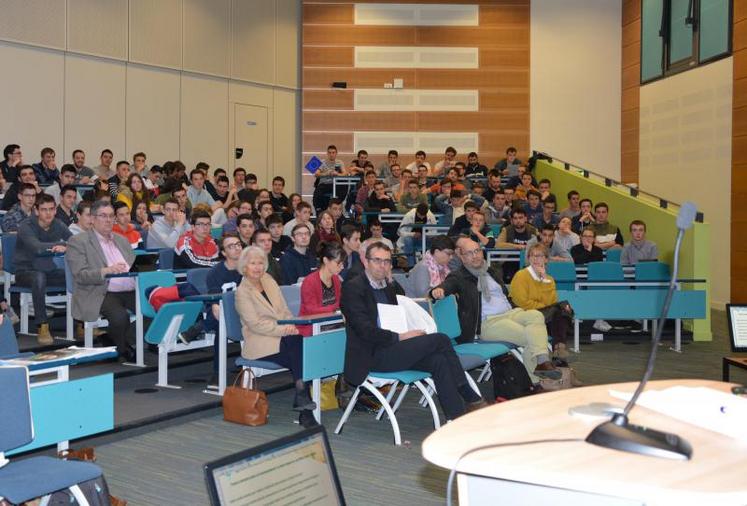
(260, 305)
(432, 270)
(533, 288)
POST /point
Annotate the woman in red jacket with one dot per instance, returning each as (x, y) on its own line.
(320, 290)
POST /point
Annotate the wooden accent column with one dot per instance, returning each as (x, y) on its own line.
(739, 156)
(631, 79)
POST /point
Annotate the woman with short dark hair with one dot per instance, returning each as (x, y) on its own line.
(320, 290)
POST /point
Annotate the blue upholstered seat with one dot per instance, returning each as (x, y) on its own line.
(34, 477)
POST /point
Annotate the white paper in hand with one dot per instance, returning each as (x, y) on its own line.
(392, 317)
(417, 317)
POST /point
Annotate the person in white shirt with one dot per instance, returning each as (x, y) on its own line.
(84, 219)
(448, 162)
(302, 216)
(419, 160)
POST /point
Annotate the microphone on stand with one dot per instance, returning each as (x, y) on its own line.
(619, 433)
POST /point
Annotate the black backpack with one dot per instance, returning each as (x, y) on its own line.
(510, 378)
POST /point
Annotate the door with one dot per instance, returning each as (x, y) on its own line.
(250, 141)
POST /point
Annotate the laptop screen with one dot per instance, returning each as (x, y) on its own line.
(737, 316)
(297, 469)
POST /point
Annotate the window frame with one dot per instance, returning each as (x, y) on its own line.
(693, 61)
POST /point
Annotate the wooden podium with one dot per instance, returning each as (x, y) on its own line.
(579, 473)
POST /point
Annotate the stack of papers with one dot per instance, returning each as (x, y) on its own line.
(707, 408)
(71, 353)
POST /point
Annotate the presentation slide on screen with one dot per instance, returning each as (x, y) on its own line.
(299, 474)
(739, 325)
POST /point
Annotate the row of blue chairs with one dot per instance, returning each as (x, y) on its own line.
(566, 277)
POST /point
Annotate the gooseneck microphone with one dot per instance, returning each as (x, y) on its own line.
(618, 433)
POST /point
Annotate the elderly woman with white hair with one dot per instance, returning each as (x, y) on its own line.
(260, 305)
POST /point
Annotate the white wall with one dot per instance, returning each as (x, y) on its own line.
(575, 88)
(144, 88)
(685, 152)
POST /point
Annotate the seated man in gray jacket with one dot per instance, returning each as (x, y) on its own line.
(92, 256)
(167, 229)
(40, 236)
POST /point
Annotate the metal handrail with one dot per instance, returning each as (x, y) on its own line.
(611, 183)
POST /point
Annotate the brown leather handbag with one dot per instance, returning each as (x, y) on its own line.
(245, 405)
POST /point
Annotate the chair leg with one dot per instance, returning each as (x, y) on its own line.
(392, 419)
(400, 397)
(422, 402)
(389, 396)
(678, 335)
(78, 494)
(69, 330)
(472, 383)
(25, 303)
(317, 398)
(163, 369)
(485, 373)
(88, 334)
(348, 410)
(431, 404)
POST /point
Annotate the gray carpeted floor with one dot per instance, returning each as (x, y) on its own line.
(163, 466)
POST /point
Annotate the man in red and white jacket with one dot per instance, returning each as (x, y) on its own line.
(196, 248)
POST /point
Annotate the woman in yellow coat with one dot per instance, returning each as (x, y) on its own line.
(533, 288)
(260, 305)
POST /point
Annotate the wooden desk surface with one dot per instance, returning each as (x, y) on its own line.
(715, 475)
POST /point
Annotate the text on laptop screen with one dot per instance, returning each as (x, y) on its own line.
(297, 473)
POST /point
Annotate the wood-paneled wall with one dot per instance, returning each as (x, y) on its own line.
(502, 79)
(631, 79)
(739, 156)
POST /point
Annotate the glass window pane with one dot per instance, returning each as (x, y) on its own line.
(681, 41)
(714, 28)
(651, 43)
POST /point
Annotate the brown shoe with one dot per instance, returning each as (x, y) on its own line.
(547, 370)
(44, 337)
(474, 406)
(561, 351)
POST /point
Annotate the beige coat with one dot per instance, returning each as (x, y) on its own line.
(86, 259)
(259, 319)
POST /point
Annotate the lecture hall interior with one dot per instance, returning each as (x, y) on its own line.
(373, 252)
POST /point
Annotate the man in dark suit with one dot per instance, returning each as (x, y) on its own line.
(92, 256)
(370, 348)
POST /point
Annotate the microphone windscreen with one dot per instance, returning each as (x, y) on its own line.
(686, 216)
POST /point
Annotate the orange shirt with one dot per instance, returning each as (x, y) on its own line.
(132, 235)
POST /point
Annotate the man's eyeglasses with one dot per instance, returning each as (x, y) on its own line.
(380, 261)
(233, 245)
(202, 224)
(471, 252)
(104, 216)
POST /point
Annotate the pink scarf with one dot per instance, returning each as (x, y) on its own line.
(436, 271)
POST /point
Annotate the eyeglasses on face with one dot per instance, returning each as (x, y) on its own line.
(380, 261)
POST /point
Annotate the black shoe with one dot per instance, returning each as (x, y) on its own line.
(303, 402)
(192, 333)
(306, 419)
(128, 355)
